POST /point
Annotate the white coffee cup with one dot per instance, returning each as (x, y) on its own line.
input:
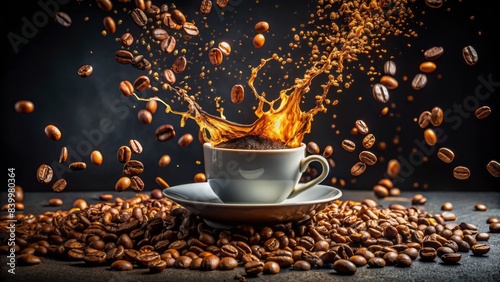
(259, 176)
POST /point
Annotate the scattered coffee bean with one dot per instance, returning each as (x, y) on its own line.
(96, 157)
(261, 27)
(122, 184)
(403, 260)
(185, 140)
(368, 141)
(135, 146)
(136, 183)
(200, 177)
(225, 48)
(482, 112)
(168, 44)
(59, 185)
(493, 168)
(494, 227)
(358, 168)
(165, 132)
(127, 39)
(123, 57)
(179, 64)
(446, 155)
(424, 119)
(122, 265)
(106, 197)
(44, 174)
(53, 132)
(133, 167)
(55, 202)
(389, 82)
(145, 116)
(312, 148)
(258, 40)
(480, 249)
(237, 94)
(63, 19)
(376, 262)
(419, 81)
(461, 172)
(480, 207)
(451, 258)
(390, 68)
(215, 56)
(141, 83)
(447, 206)
(75, 166)
(344, 267)
(348, 145)
(380, 93)
(24, 106)
(160, 181)
(427, 67)
(433, 53)
(63, 156)
(470, 55)
(139, 17)
(361, 126)
(437, 116)
(126, 88)
(368, 157)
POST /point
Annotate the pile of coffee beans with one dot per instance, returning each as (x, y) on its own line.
(148, 231)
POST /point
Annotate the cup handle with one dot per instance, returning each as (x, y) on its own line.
(304, 163)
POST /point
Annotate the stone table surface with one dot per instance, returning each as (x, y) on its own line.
(471, 268)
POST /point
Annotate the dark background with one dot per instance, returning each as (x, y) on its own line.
(44, 70)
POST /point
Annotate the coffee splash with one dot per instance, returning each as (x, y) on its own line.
(362, 25)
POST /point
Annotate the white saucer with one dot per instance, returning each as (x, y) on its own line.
(201, 200)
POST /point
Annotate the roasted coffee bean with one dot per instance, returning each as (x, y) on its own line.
(85, 70)
(127, 39)
(389, 82)
(179, 64)
(368, 157)
(390, 68)
(185, 140)
(403, 260)
(55, 202)
(494, 227)
(24, 106)
(139, 17)
(122, 265)
(427, 254)
(433, 53)
(358, 260)
(482, 112)
(380, 191)
(141, 63)
(157, 266)
(159, 34)
(470, 55)
(482, 236)
(461, 172)
(152, 10)
(210, 262)
(160, 181)
(77, 166)
(261, 27)
(493, 168)
(168, 44)
(165, 132)
(237, 94)
(254, 268)
(123, 57)
(430, 137)
(427, 67)
(368, 141)
(225, 48)
(358, 168)
(126, 88)
(200, 177)
(437, 116)
(97, 257)
(44, 174)
(480, 249)
(480, 207)
(446, 155)
(361, 126)
(447, 206)
(169, 76)
(96, 157)
(380, 93)
(451, 258)
(28, 259)
(105, 5)
(393, 168)
(136, 184)
(109, 24)
(135, 146)
(190, 29)
(81, 204)
(124, 154)
(328, 151)
(348, 145)
(53, 132)
(164, 161)
(122, 184)
(258, 40)
(215, 56)
(62, 18)
(418, 199)
(142, 83)
(419, 81)
(156, 194)
(424, 119)
(59, 185)
(376, 262)
(206, 6)
(144, 258)
(178, 17)
(301, 265)
(145, 116)
(18, 193)
(344, 267)
(312, 148)
(105, 197)
(133, 167)
(63, 156)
